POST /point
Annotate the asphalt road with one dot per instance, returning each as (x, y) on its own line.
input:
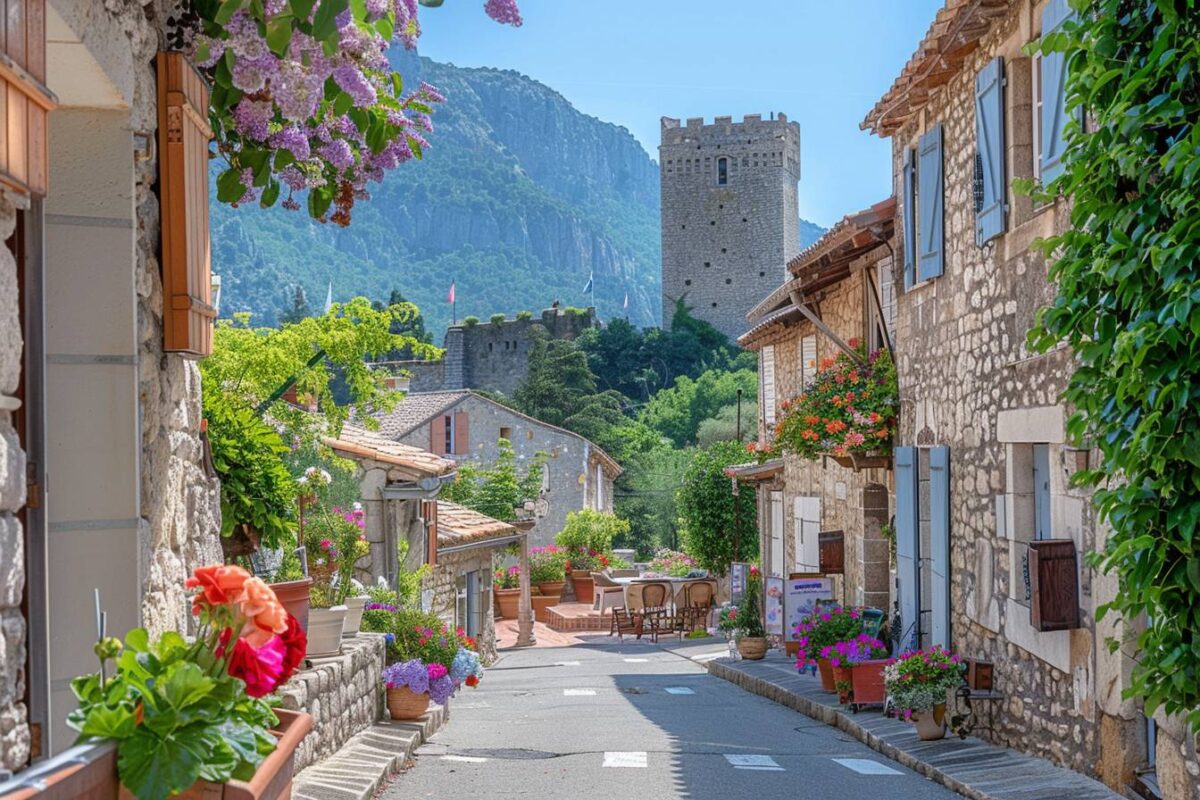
(616, 721)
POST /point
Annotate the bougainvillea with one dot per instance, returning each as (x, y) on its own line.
(849, 407)
(820, 631)
(305, 101)
(919, 680)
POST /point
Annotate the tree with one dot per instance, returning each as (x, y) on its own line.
(1128, 277)
(711, 516)
(560, 389)
(499, 488)
(296, 308)
(723, 426)
(645, 496)
(677, 412)
(588, 529)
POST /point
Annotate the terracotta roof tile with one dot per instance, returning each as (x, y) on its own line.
(357, 442)
(458, 525)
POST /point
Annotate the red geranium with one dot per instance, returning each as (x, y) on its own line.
(219, 584)
(259, 667)
(295, 643)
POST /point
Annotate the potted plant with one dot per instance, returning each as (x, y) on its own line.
(858, 669)
(430, 661)
(918, 682)
(670, 564)
(412, 684)
(547, 569)
(752, 641)
(541, 605)
(325, 623)
(588, 538)
(188, 718)
(292, 586)
(506, 588)
(816, 635)
(580, 566)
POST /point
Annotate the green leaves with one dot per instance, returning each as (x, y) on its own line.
(710, 513)
(154, 768)
(230, 188)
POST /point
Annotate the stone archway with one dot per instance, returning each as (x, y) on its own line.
(876, 557)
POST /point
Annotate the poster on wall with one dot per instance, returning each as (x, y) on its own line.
(773, 604)
(802, 594)
(739, 573)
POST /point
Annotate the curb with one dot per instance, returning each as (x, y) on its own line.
(367, 760)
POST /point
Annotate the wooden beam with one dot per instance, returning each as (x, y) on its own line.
(825, 329)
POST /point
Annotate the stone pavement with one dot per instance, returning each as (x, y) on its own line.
(971, 766)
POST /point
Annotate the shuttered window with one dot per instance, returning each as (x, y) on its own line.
(989, 141)
(777, 566)
(930, 205)
(766, 372)
(808, 360)
(438, 428)
(939, 555)
(910, 218)
(461, 438)
(908, 580)
(1041, 492)
(24, 99)
(1054, 94)
(808, 533)
(1054, 585)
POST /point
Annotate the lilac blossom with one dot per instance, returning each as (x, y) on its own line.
(253, 118)
(503, 11)
(294, 139)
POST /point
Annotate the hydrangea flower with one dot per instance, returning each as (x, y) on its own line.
(412, 674)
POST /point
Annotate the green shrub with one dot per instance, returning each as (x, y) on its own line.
(523, 315)
(498, 319)
(471, 321)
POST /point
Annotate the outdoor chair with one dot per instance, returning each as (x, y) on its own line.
(698, 597)
(623, 573)
(627, 618)
(656, 613)
(609, 593)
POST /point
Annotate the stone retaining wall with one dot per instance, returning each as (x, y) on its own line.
(344, 695)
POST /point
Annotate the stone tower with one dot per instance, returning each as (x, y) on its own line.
(730, 219)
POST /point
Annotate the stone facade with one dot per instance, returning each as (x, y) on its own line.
(493, 356)
(447, 578)
(730, 215)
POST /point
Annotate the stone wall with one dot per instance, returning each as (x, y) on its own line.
(14, 727)
(724, 247)
(344, 694)
(442, 587)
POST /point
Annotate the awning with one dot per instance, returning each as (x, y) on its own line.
(754, 472)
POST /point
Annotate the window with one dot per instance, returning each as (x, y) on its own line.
(472, 594)
(506, 433)
(992, 190)
(807, 525)
(1041, 492)
(923, 544)
(777, 566)
(599, 487)
(766, 392)
(808, 360)
(448, 421)
(1052, 82)
(722, 171)
(1036, 67)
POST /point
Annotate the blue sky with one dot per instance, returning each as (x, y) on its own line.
(630, 62)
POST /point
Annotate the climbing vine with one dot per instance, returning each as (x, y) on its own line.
(1128, 304)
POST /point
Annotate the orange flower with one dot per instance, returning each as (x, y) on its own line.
(811, 420)
(854, 342)
(854, 375)
(882, 433)
(811, 435)
(826, 363)
(265, 615)
(875, 417)
(219, 584)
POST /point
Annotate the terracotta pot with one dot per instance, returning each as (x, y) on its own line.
(826, 671)
(931, 724)
(294, 597)
(752, 648)
(354, 611)
(552, 589)
(508, 601)
(404, 703)
(541, 604)
(325, 631)
(867, 677)
(842, 682)
(585, 587)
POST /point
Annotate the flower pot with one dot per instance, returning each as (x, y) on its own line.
(752, 648)
(508, 601)
(842, 682)
(404, 703)
(585, 587)
(552, 589)
(541, 605)
(826, 671)
(325, 631)
(294, 597)
(867, 678)
(931, 724)
(354, 612)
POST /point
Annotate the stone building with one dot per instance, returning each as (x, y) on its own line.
(838, 294)
(983, 466)
(464, 426)
(493, 356)
(730, 215)
(103, 483)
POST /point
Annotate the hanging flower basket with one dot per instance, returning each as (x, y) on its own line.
(860, 461)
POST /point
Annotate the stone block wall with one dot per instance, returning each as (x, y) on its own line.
(344, 694)
(442, 586)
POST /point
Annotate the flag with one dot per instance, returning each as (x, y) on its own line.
(588, 288)
(329, 298)
(450, 296)
(626, 305)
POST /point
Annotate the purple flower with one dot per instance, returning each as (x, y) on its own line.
(351, 81)
(292, 138)
(412, 674)
(441, 689)
(338, 154)
(430, 93)
(503, 11)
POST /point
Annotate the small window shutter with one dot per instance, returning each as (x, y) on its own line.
(1041, 491)
(907, 576)
(1054, 585)
(808, 359)
(832, 552)
(777, 566)
(808, 529)
(437, 435)
(939, 529)
(930, 205)
(462, 433)
(910, 219)
(1054, 94)
(767, 376)
(989, 137)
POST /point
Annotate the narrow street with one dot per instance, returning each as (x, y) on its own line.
(636, 720)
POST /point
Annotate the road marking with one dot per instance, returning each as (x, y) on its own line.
(710, 656)
(635, 660)
(566, 663)
(679, 690)
(865, 766)
(465, 759)
(618, 759)
(754, 762)
(579, 692)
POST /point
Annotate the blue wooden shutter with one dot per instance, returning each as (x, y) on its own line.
(939, 545)
(930, 205)
(910, 220)
(989, 139)
(1054, 94)
(1041, 492)
(907, 563)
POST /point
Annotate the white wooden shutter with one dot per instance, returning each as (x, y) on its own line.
(808, 527)
(778, 566)
(939, 551)
(930, 205)
(910, 218)
(766, 373)
(1054, 94)
(808, 360)
(908, 577)
(989, 140)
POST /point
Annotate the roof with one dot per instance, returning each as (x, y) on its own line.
(356, 442)
(754, 471)
(417, 408)
(954, 35)
(458, 526)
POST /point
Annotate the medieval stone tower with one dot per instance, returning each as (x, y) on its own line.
(730, 219)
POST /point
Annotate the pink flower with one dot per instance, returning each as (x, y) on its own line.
(326, 544)
(437, 671)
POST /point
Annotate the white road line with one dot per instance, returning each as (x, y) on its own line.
(753, 762)
(627, 759)
(566, 663)
(679, 690)
(865, 766)
(710, 656)
(465, 759)
(579, 692)
(635, 660)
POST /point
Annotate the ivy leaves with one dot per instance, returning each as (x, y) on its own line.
(709, 512)
(1128, 274)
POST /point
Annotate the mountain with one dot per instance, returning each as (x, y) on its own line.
(519, 198)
